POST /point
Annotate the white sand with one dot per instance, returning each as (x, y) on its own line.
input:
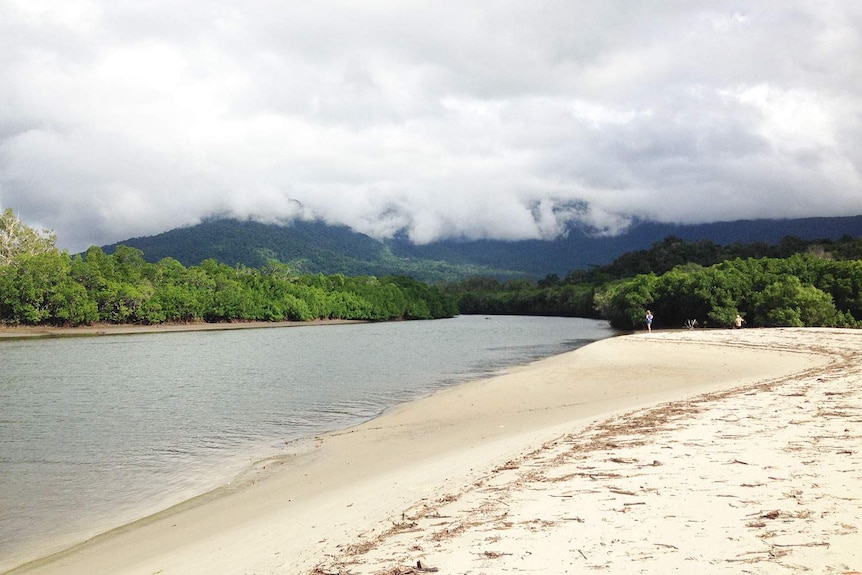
(742, 455)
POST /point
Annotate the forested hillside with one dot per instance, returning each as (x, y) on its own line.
(315, 247)
(305, 247)
(792, 283)
(582, 249)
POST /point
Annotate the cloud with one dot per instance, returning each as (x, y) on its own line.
(445, 119)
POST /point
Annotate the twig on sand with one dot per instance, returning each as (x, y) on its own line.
(419, 568)
(492, 554)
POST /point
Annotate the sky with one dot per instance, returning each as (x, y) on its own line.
(437, 119)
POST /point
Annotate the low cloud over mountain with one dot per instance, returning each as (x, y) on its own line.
(439, 120)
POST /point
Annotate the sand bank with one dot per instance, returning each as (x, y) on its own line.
(679, 451)
(39, 331)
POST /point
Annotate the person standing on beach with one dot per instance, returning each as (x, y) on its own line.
(738, 321)
(649, 317)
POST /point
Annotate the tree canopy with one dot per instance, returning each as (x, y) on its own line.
(792, 283)
(18, 239)
(56, 289)
(798, 291)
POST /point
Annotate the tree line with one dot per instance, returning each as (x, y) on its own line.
(799, 291)
(793, 283)
(56, 289)
(41, 285)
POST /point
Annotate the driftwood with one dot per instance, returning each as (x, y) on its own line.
(419, 568)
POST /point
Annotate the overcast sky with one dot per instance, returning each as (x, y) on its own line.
(444, 118)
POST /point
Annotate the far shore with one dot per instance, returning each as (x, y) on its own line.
(40, 331)
(681, 451)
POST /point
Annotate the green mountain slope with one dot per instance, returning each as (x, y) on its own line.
(315, 247)
(307, 247)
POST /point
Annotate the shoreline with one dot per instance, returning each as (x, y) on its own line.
(328, 503)
(8, 332)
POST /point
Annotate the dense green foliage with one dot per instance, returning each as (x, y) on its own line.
(792, 283)
(17, 239)
(524, 297)
(53, 288)
(672, 252)
(802, 290)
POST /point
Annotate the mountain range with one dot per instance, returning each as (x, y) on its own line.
(317, 247)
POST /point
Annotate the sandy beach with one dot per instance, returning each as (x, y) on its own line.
(672, 452)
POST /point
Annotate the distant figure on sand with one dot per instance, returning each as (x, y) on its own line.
(738, 321)
(649, 320)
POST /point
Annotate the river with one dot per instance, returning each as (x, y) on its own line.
(96, 432)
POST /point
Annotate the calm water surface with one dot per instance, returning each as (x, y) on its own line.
(96, 432)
